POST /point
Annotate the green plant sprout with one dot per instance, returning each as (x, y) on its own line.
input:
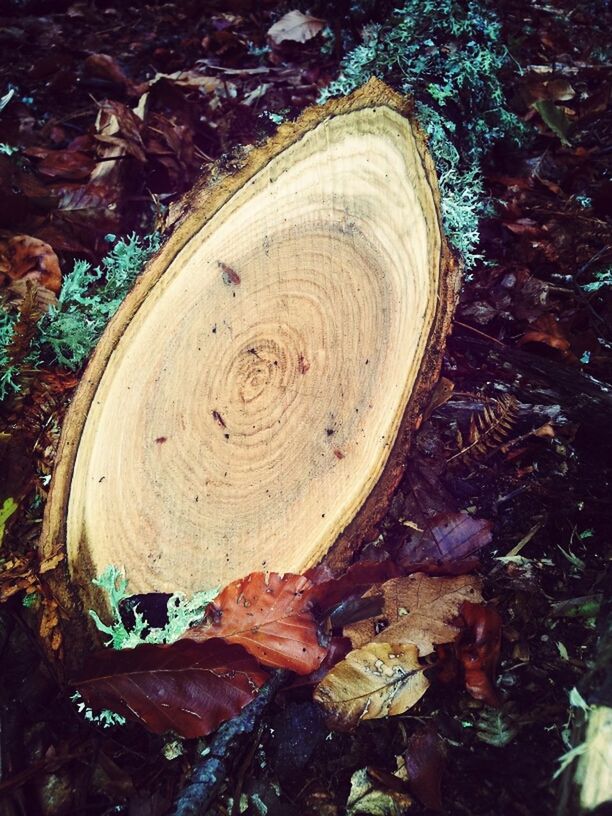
(6, 511)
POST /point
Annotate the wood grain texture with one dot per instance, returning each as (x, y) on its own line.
(252, 402)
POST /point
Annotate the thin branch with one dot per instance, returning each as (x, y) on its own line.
(209, 774)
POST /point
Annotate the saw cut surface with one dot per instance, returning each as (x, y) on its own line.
(250, 404)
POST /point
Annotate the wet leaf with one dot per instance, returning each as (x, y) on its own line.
(330, 590)
(269, 615)
(105, 67)
(555, 118)
(478, 650)
(417, 609)
(425, 758)
(448, 538)
(186, 687)
(296, 27)
(7, 509)
(546, 329)
(64, 164)
(366, 799)
(378, 680)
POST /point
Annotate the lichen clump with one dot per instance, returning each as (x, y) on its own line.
(448, 56)
(67, 332)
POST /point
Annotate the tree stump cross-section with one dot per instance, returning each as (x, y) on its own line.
(251, 404)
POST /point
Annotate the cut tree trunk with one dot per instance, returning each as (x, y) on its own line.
(251, 404)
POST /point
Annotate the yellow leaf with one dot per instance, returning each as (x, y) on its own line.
(379, 680)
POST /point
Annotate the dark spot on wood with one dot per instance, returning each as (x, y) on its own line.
(226, 436)
(101, 479)
(330, 431)
(219, 419)
(161, 439)
(338, 454)
(229, 275)
(303, 364)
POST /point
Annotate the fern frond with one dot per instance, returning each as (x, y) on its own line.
(488, 430)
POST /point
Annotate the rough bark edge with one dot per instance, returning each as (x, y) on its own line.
(198, 207)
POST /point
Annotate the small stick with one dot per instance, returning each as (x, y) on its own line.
(208, 775)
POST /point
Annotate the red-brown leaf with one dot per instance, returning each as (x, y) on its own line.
(329, 589)
(66, 164)
(186, 687)
(30, 258)
(478, 650)
(448, 539)
(269, 615)
(425, 758)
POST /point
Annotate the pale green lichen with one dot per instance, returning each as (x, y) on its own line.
(603, 279)
(448, 56)
(88, 299)
(182, 613)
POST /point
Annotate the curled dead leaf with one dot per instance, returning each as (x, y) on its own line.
(378, 680)
(546, 329)
(24, 257)
(296, 27)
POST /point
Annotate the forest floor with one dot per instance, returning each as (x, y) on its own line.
(520, 440)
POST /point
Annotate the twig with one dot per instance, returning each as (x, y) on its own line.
(208, 776)
(477, 331)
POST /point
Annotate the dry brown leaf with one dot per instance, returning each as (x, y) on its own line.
(379, 680)
(23, 256)
(296, 27)
(417, 609)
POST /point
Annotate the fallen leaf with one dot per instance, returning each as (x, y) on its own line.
(8, 507)
(523, 226)
(441, 394)
(425, 758)
(554, 117)
(546, 329)
(26, 257)
(186, 687)
(330, 590)
(103, 66)
(378, 680)
(555, 90)
(449, 538)
(417, 609)
(337, 650)
(478, 650)
(64, 164)
(16, 575)
(296, 27)
(197, 81)
(269, 615)
(366, 799)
